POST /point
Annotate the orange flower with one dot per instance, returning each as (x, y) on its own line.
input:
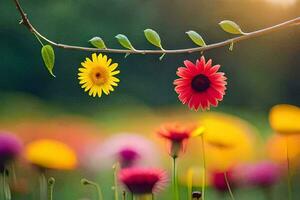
(177, 136)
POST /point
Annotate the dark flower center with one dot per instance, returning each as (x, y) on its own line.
(98, 75)
(200, 83)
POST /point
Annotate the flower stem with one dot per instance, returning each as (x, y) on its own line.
(6, 188)
(268, 193)
(124, 195)
(143, 197)
(115, 168)
(51, 182)
(175, 179)
(228, 186)
(94, 184)
(289, 178)
(43, 186)
(190, 183)
(204, 168)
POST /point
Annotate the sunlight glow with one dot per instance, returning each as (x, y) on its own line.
(283, 2)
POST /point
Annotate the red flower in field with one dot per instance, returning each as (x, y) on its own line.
(200, 85)
(143, 180)
(219, 182)
(177, 135)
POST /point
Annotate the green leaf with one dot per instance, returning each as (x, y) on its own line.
(153, 37)
(48, 57)
(231, 27)
(196, 38)
(98, 42)
(123, 40)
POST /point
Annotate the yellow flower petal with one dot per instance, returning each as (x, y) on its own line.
(113, 66)
(95, 58)
(285, 119)
(115, 72)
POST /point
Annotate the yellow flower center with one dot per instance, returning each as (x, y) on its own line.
(99, 75)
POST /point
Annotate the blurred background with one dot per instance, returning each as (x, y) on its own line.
(261, 72)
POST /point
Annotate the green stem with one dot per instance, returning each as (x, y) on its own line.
(289, 178)
(51, 182)
(94, 184)
(124, 195)
(268, 193)
(204, 168)
(3, 184)
(115, 168)
(6, 188)
(43, 186)
(143, 197)
(175, 179)
(38, 38)
(228, 186)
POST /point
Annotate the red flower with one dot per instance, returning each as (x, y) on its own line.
(143, 180)
(219, 182)
(200, 84)
(177, 135)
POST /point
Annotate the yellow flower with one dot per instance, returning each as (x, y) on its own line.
(229, 140)
(51, 154)
(285, 119)
(97, 75)
(277, 148)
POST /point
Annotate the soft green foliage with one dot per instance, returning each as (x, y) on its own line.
(153, 37)
(98, 42)
(48, 56)
(123, 40)
(231, 27)
(196, 38)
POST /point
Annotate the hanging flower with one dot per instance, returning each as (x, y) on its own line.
(141, 181)
(98, 75)
(177, 136)
(10, 148)
(200, 85)
(51, 154)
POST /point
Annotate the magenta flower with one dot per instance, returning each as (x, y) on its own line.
(263, 174)
(127, 149)
(10, 148)
(141, 181)
(218, 180)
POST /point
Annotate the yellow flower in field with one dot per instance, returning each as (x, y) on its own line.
(229, 139)
(277, 149)
(98, 75)
(51, 154)
(285, 119)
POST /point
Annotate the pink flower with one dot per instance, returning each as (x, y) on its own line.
(200, 85)
(263, 174)
(10, 148)
(143, 180)
(127, 149)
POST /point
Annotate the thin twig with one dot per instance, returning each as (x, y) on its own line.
(25, 21)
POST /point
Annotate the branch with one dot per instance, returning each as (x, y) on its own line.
(25, 21)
